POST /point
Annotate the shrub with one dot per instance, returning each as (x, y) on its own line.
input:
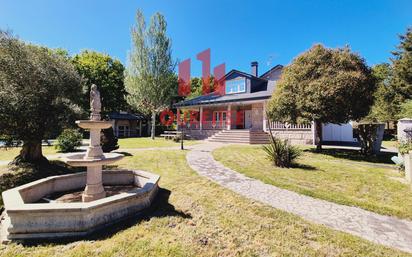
(404, 148)
(281, 152)
(108, 140)
(367, 134)
(68, 140)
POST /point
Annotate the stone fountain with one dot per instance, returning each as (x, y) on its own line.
(52, 208)
(94, 158)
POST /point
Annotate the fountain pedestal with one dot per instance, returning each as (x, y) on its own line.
(93, 160)
(94, 184)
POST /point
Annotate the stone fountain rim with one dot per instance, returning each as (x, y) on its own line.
(81, 161)
(19, 206)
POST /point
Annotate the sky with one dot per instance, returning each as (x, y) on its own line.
(237, 32)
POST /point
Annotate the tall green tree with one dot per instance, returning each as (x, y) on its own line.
(108, 74)
(325, 86)
(150, 79)
(402, 69)
(384, 108)
(39, 90)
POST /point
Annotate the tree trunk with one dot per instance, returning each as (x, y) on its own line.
(318, 129)
(31, 152)
(152, 134)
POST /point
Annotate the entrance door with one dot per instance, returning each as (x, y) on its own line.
(219, 117)
(248, 119)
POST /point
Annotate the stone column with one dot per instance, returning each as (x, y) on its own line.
(228, 117)
(403, 124)
(95, 150)
(94, 186)
(201, 118)
(264, 117)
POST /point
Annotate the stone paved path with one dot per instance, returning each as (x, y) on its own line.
(377, 228)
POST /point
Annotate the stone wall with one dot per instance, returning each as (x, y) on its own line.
(298, 137)
(197, 134)
(257, 116)
(403, 124)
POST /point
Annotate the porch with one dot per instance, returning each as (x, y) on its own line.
(227, 117)
(212, 121)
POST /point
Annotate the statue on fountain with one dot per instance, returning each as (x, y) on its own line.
(95, 103)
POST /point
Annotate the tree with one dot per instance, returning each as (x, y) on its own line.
(402, 68)
(406, 109)
(150, 79)
(196, 88)
(384, 108)
(325, 86)
(38, 89)
(108, 74)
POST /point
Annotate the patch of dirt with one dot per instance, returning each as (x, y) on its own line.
(76, 195)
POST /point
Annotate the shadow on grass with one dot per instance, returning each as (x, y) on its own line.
(355, 155)
(159, 208)
(125, 153)
(303, 166)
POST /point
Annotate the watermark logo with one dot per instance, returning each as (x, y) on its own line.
(193, 118)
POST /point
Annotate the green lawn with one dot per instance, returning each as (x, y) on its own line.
(147, 142)
(390, 143)
(334, 176)
(7, 154)
(195, 217)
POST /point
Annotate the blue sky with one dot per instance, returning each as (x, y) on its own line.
(238, 32)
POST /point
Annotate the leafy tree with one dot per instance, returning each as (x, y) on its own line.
(385, 108)
(38, 89)
(402, 68)
(197, 86)
(325, 86)
(108, 74)
(406, 109)
(150, 79)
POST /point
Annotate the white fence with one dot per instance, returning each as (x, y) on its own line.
(275, 125)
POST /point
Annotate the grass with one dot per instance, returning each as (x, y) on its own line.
(8, 154)
(147, 142)
(195, 217)
(336, 176)
(390, 143)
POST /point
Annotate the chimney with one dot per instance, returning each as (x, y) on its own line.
(254, 70)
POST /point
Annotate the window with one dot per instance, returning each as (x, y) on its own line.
(123, 131)
(236, 86)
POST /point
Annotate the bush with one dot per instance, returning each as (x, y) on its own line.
(108, 140)
(68, 140)
(404, 148)
(367, 134)
(281, 152)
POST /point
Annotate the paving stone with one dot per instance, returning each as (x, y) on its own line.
(385, 230)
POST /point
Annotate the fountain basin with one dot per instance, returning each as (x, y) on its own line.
(27, 219)
(94, 124)
(81, 160)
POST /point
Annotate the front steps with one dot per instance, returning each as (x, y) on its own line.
(241, 136)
